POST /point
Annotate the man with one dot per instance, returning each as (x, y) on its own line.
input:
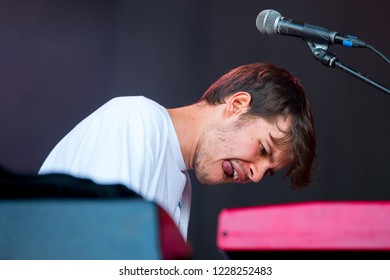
(252, 122)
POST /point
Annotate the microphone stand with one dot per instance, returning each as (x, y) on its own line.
(320, 52)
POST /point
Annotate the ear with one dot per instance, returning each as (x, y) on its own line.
(238, 103)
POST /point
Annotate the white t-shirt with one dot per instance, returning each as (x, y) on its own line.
(130, 141)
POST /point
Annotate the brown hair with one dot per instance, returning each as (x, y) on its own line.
(275, 92)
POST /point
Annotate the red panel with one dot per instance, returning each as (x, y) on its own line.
(173, 246)
(306, 226)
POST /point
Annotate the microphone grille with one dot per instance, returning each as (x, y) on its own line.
(267, 21)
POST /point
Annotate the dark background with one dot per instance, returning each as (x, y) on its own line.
(61, 60)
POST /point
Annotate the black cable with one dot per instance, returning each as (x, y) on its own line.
(378, 53)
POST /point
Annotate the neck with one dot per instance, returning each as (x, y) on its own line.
(189, 123)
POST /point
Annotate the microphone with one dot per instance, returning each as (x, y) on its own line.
(270, 22)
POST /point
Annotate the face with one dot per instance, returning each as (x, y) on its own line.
(240, 150)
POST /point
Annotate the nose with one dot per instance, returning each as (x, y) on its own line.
(257, 171)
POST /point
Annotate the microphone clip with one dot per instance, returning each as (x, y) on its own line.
(320, 52)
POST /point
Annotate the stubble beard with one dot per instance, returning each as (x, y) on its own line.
(201, 160)
(210, 144)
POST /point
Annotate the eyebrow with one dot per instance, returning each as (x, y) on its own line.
(271, 158)
(270, 151)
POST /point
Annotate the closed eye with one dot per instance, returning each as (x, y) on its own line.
(263, 151)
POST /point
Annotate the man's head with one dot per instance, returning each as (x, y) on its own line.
(271, 103)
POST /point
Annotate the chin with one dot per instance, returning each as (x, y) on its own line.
(209, 180)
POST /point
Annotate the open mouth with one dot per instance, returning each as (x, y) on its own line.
(229, 170)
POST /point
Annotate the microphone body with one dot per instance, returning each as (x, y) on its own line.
(308, 32)
(270, 22)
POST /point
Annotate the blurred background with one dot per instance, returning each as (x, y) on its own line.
(61, 60)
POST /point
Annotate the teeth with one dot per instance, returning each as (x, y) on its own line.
(235, 175)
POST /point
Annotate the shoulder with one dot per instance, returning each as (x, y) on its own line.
(137, 112)
(130, 108)
(138, 103)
